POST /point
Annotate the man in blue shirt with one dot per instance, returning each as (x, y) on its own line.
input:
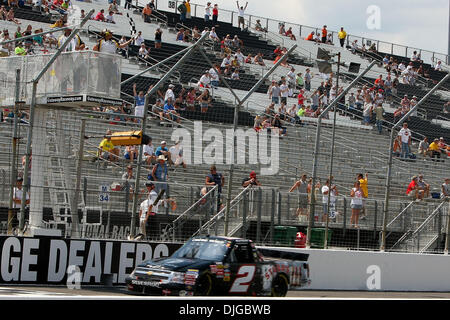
(170, 112)
(139, 102)
(162, 150)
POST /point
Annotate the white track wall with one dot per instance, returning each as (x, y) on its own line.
(357, 270)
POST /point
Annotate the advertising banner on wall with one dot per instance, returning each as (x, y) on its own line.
(44, 260)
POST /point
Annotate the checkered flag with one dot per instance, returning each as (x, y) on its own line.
(132, 25)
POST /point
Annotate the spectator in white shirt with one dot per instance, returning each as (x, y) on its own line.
(239, 56)
(213, 35)
(404, 136)
(139, 39)
(226, 64)
(208, 11)
(110, 18)
(169, 93)
(205, 80)
(438, 66)
(214, 75)
(241, 15)
(284, 92)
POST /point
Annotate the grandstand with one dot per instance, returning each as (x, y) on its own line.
(256, 212)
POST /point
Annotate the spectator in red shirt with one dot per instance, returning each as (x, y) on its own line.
(100, 16)
(413, 190)
(324, 34)
(215, 14)
(290, 34)
(310, 37)
(379, 83)
(301, 98)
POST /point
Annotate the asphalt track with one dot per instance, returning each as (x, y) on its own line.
(95, 292)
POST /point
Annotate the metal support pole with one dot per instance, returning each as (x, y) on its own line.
(235, 124)
(447, 237)
(74, 209)
(14, 154)
(26, 187)
(332, 155)
(317, 147)
(147, 97)
(389, 168)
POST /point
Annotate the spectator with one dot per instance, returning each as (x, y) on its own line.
(310, 37)
(290, 34)
(107, 150)
(144, 53)
(159, 174)
(100, 16)
(424, 148)
(114, 8)
(123, 51)
(149, 156)
(190, 99)
(188, 9)
(213, 35)
(331, 191)
(146, 12)
(251, 180)
(183, 10)
(128, 176)
(226, 65)
(187, 36)
(131, 153)
(10, 16)
(139, 99)
(51, 40)
(446, 107)
(240, 57)
(308, 77)
(324, 34)
(215, 178)
(196, 33)
(425, 187)
(158, 38)
(356, 204)
(413, 190)
(208, 11)
(284, 92)
(18, 194)
(241, 15)
(235, 74)
(176, 154)
(299, 81)
(20, 50)
(404, 136)
(363, 184)
(169, 111)
(276, 123)
(237, 43)
(330, 39)
(215, 15)
(442, 145)
(379, 111)
(169, 93)
(205, 100)
(164, 151)
(302, 190)
(435, 150)
(445, 189)
(342, 35)
(180, 35)
(258, 26)
(259, 59)
(127, 4)
(438, 66)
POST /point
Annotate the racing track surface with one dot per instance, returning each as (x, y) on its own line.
(57, 292)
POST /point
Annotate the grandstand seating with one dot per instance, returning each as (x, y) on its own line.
(356, 151)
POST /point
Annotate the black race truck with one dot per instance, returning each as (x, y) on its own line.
(212, 265)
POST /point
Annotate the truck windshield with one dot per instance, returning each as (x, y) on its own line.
(204, 249)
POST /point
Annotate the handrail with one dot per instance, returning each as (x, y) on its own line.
(139, 58)
(220, 214)
(429, 218)
(301, 27)
(195, 204)
(400, 214)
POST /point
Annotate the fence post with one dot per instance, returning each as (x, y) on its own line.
(279, 207)
(375, 219)
(244, 216)
(344, 217)
(272, 216)
(258, 214)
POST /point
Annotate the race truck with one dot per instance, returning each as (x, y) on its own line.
(213, 265)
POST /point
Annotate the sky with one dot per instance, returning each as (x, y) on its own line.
(416, 23)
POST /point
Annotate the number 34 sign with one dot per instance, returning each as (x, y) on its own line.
(103, 196)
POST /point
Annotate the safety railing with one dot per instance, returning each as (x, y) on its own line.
(300, 30)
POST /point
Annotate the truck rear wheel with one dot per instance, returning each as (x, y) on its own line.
(280, 286)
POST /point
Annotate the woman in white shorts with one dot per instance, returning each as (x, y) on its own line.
(356, 204)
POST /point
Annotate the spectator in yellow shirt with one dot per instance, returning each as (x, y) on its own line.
(342, 35)
(107, 151)
(363, 182)
(434, 148)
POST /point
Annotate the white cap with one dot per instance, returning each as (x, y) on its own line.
(163, 142)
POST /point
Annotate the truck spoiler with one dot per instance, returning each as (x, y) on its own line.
(285, 255)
